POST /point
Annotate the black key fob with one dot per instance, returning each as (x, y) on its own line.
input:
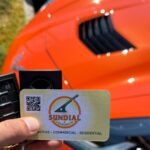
(9, 97)
(40, 79)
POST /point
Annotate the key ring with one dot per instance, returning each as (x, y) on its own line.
(20, 146)
(12, 147)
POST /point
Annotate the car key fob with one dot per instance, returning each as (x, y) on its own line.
(40, 79)
(9, 97)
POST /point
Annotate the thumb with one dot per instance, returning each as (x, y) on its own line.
(17, 130)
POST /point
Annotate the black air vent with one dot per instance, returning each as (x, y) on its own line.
(100, 36)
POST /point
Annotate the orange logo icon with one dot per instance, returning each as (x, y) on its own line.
(64, 111)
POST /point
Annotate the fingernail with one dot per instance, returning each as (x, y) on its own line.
(32, 124)
(55, 143)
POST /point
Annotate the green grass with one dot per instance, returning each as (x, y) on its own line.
(11, 21)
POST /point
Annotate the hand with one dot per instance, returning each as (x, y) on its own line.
(17, 130)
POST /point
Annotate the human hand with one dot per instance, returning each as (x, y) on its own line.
(17, 130)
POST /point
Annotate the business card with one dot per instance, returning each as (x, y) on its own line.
(68, 114)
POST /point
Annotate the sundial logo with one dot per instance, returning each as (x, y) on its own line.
(64, 111)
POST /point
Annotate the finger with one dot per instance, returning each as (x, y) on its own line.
(17, 130)
(44, 145)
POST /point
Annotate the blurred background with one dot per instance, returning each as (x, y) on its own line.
(12, 19)
(14, 15)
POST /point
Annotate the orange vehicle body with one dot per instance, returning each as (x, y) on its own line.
(51, 41)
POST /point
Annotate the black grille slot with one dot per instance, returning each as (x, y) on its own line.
(100, 36)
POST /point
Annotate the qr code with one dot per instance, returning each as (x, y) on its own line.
(33, 103)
